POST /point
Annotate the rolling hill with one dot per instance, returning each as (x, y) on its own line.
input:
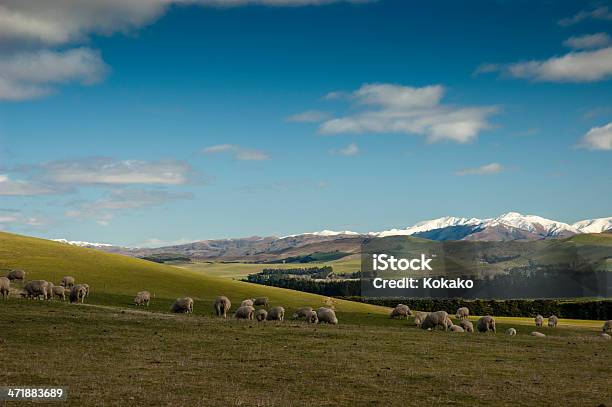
(115, 278)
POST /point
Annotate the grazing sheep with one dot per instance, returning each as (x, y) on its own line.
(143, 297)
(261, 315)
(419, 317)
(86, 287)
(467, 325)
(538, 334)
(303, 312)
(607, 326)
(400, 311)
(67, 282)
(486, 324)
(327, 315)
(312, 317)
(247, 303)
(456, 328)
(462, 313)
(5, 287)
(539, 320)
(50, 291)
(36, 289)
(436, 319)
(553, 321)
(276, 314)
(260, 301)
(59, 292)
(245, 312)
(222, 306)
(78, 293)
(511, 331)
(182, 306)
(16, 275)
(604, 335)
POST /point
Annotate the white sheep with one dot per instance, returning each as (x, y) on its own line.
(260, 301)
(607, 326)
(539, 320)
(486, 324)
(462, 313)
(142, 297)
(419, 317)
(276, 314)
(538, 334)
(553, 321)
(605, 336)
(400, 311)
(456, 328)
(327, 315)
(67, 282)
(222, 305)
(312, 317)
(261, 315)
(511, 331)
(36, 289)
(467, 325)
(302, 313)
(245, 312)
(182, 306)
(437, 319)
(5, 287)
(78, 293)
(16, 275)
(59, 291)
(247, 303)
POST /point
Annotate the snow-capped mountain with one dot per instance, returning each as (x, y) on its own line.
(82, 244)
(425, 226)
(531, 223)
(593, 225)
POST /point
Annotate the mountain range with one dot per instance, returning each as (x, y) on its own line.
(511, 226)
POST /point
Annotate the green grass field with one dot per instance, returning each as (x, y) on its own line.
(109, 352)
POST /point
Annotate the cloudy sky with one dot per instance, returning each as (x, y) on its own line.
(149, 122)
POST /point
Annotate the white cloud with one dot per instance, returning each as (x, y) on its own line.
(103, 210)
(487, 169)
(598, 138)
(599, 13)
(9, 187)
(32, 74)
(588, 41)
(118, 172)
(11, 218)
(581, 66)
(389, 108)
(239, 152)
(350, 150)
(310, 116)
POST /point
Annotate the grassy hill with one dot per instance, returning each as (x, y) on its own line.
(115, 279)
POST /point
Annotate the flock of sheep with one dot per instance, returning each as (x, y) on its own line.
(42, 289)
(441, 319)
(247, 309)
(37, 289)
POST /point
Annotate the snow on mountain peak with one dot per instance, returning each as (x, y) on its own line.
(593, 225)
(428, 225)
(531, 223)
(81, 243)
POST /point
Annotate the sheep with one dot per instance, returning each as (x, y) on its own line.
(467, 325)
(261, 315)
(419, 317)
(78, 293)
(247, 303)
(539, 320)
(302, 313)
(436, 319)
(182, 306)
(59, 292)
(260, 301)
(553, 321)
(16, 275)
(5, 287)
(36, 289)
(486, 324)
(50, 291)
(327, 315)
(604, 335)
(462, 313)
(67, 282)
(312, 317)
(607, 326)
(222, 305)
(400, 311)
(456, 328)
(245, 312)
(143, 297)
(511, 331)
(86, 287)
(276, 314)
(538, 334)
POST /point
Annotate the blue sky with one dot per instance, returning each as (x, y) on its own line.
(159, 123)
